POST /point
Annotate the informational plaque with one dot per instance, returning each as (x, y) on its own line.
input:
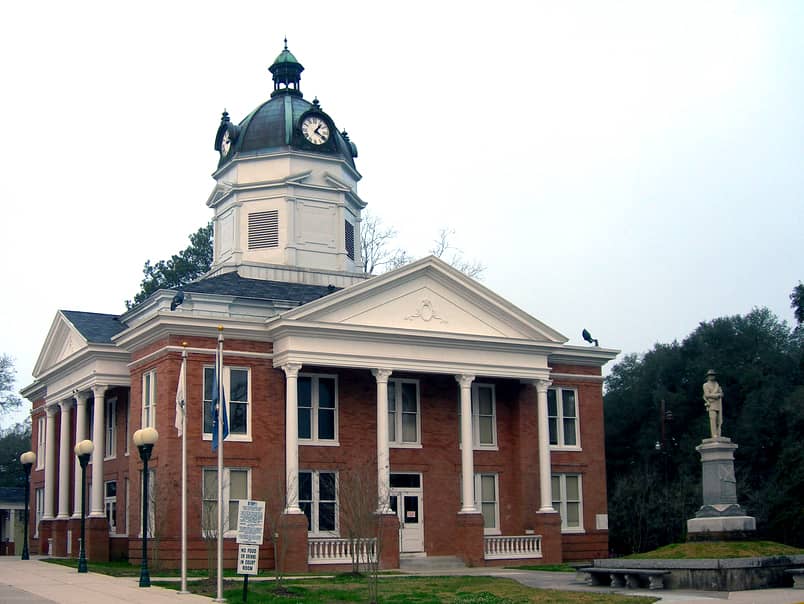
(248, 559)
(250, 521)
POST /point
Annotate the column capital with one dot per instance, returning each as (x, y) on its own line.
(291, 369)
(66, 404)
(51, 409)
(381, 375)
(542, 385)
(465, 379)
(99, 390)
(81, 397)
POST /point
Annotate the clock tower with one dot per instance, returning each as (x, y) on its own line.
(285, 200)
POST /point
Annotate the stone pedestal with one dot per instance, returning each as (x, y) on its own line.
(720, 516)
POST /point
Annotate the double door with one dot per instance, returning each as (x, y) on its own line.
(406, 502)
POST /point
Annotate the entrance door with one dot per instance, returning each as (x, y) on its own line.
(406, 502)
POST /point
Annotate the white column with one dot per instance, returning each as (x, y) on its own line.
(383, 458)
(99, 436)
(544, 447)
(50, 461)
(65, 455)
(80, 434)
(291, 438)
(467, 446)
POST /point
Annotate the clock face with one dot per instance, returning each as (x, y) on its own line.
(226, 143)
(315, 130)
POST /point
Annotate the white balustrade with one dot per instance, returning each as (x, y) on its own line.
(517, 547)
(341, 551)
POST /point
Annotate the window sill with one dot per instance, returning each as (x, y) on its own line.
(492, 532)
(232, 438)
(572, 531)
(560, 448)
(319, 443)
(392, 445)
(110, 458)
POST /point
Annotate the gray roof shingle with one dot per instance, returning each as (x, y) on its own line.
(232, 284)
(97, 328)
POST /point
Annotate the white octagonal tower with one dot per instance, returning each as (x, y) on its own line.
(286, 204)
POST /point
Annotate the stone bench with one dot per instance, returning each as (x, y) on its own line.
(624, 577)
(798, 577)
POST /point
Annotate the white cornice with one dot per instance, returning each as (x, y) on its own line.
(286, 153)
(205, 351)
(583, 355)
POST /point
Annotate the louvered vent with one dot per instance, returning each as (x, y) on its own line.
(263, 229)
(350, 240)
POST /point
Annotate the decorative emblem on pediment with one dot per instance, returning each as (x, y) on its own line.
(426, 313)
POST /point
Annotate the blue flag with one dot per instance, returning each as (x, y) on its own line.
(214, 411)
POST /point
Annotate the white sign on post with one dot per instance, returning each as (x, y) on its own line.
(250, 520)
(248, 559)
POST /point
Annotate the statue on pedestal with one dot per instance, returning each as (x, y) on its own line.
(713, 400)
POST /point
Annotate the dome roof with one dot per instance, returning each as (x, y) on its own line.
(276, 123)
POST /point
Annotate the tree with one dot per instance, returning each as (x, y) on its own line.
(14, 441)
(8, 398)
(182, 268)
(797, 302)
(380, 254)
(759, 363)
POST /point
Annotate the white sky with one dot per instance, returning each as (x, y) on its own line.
(634, 168)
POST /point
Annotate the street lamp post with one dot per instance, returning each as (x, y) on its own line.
(27, 459)
(83, 450)
(144, 440)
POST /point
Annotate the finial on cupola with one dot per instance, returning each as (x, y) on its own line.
(286, 42)
(225, 116)
(316, 104)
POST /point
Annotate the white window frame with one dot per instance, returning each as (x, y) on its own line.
(495, 530)
(110, 429)
(39, 508)
(476, 444)
(557, 420)
(316, 500)
(128, 423)
(227, 380)
(560, 502)
(110, 501)
(128, 506)
(395, 417)
(40, 443)
(229, 532)
(151, 503)
(314, 391)
(149, 398)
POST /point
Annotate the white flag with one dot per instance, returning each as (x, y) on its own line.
(181, 396)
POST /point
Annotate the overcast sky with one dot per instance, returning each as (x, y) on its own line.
(634, 168)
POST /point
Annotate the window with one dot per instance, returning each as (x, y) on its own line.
(237, 392)
(151, 502)
(128, 420)
(148, 399)
(319, 501)
(111, 429)
(128, 499)
(110, 504)
(562, 417)
(263, 229)
(318, 408)
(484, 421)
(236, 486)
(40, 443)
(40, 509)
(349, 229)
(568, 502)
(486, 501)
(403, 412)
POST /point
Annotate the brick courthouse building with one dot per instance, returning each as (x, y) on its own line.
(482, 427)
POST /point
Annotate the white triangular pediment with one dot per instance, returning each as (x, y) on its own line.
(62, 341)
(427, 295)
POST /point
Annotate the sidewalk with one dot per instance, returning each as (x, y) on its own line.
(36, 582)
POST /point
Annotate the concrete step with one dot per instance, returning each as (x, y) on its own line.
(430, 563)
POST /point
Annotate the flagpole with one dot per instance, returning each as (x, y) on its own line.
(183, 378)
(221, 403)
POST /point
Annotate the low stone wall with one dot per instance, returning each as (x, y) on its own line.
(729, 574)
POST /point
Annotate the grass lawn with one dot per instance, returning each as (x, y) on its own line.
(720, 549)
(409, 590)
